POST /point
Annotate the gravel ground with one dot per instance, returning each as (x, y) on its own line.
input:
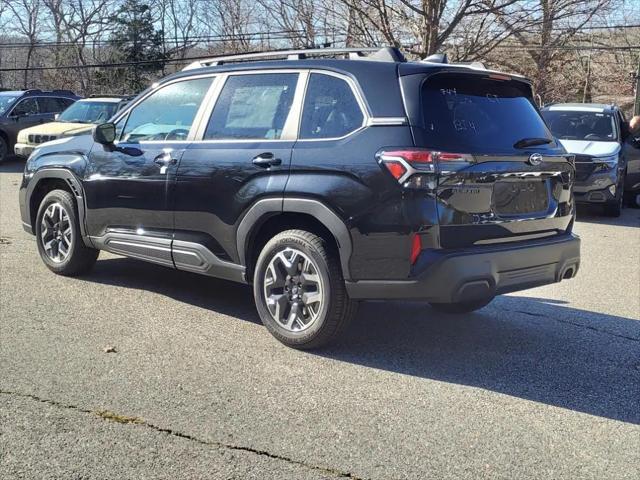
(540, 384)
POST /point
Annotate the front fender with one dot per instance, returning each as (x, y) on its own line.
(47, 163)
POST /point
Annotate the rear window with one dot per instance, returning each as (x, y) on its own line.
(474, 114)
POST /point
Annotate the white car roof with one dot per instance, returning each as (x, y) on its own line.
(101, 99)
(576, 107)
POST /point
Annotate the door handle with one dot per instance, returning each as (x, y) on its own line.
(266, 160)
(164, 160)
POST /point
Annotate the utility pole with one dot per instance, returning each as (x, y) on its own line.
(636, 104)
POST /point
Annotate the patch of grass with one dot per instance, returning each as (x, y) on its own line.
(115, 417)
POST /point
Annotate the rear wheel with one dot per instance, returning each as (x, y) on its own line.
(461, 307)
(58, 236)
(299, 290)
(4, 149)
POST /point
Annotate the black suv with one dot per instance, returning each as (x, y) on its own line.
(321, 181)
(20, 109)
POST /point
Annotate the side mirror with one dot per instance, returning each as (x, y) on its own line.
(55, 117)
(105, 133)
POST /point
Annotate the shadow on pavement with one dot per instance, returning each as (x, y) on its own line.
(12, 165)
(531, 348)
(594, 214)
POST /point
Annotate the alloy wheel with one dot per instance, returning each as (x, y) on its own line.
(56, 233)
(293, 290)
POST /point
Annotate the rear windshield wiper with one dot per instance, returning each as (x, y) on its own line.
(531, 142)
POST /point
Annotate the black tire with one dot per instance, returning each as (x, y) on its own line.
(461, 307)
(79, 258)
(335, 309)
(4, 149)
(614, 209)
(632, 199)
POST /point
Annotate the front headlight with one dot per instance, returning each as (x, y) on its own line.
(606, 163)
(22, 137)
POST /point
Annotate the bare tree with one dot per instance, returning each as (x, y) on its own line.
(544, 29)
(26, 15)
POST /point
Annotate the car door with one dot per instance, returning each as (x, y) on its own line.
(128, 185)
(631, 152)
(25, 114)
(241, 154)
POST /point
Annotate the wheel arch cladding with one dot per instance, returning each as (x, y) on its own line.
(292, 213)
(48, 179)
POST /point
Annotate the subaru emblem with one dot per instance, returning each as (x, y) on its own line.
(535, 159)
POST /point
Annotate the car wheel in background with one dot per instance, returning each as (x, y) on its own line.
(4, 149)
(58, 236)
(614, 209)
(299, 290)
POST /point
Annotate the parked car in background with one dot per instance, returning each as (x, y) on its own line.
(322, 182)
(607, 158)
(78, 118)
(20, 109)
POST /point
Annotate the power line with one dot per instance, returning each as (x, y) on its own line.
(179, 40)
(227, 37)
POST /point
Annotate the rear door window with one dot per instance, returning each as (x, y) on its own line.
(254, 106)
(49, 105)
(478, 114)
(330, 108)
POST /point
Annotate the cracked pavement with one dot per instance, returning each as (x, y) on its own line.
(540, 384)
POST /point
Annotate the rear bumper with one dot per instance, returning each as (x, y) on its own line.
(480, 272)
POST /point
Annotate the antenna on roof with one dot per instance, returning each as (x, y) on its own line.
(437, 58)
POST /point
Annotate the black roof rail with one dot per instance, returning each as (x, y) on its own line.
(62, 90)
(385, 54)
(32, 90)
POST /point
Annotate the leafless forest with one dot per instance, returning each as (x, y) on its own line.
(580, 50)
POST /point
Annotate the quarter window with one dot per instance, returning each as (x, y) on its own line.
(166, 114)
(252, 107)
(330, 108)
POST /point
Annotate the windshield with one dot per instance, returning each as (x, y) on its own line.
(479, 114)
(7, 101)
(592, 126)
(89, 112)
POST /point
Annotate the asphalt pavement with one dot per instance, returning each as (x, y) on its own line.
(138, 371)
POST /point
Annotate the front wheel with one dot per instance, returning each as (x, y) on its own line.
(299, 290)
(461, 307)
(58, 236)
(614, 209)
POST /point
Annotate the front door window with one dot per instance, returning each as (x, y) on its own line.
(166, 114)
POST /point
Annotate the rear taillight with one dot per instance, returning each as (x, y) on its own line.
(417, 168)
(416, 248)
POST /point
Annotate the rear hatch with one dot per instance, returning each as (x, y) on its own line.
(500, 175)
